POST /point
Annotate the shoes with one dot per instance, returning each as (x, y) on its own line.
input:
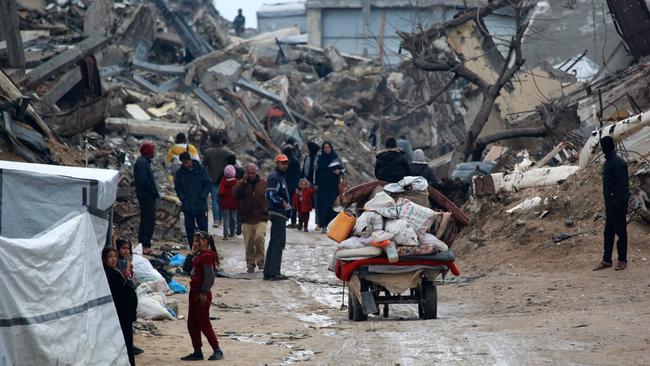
(147, 251)
(225, 237)
(305, 230)
(250, 270)
(137, 350)
(621, 266)
(217, 354)
(323, 230)
(215, 224)
(278, 278)
(603, 265)
(260, 266)
(299, 228)
(193, 357)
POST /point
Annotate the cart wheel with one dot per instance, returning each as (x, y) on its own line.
(356, 311)
(428, 306)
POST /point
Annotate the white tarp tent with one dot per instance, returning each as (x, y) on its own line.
(35, 196)
(55, 304)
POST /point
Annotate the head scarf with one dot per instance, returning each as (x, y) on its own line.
(147, 149)
(418, 156)
(325, 160)
(313, 148)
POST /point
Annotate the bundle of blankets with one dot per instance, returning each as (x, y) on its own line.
(397, 231)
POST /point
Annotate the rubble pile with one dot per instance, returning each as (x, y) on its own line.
(102, 75)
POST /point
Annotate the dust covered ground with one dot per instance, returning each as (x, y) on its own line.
(521, 300)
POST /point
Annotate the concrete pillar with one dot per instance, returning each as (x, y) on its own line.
(11, 33)
(315, 37)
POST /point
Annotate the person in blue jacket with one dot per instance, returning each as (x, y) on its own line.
(193, 185)
(279, 207)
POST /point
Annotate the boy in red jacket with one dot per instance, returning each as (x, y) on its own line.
(227, 202)
(302, 203)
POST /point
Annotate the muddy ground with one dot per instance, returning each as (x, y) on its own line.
(512, 305)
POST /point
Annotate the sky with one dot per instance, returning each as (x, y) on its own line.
(228, 9)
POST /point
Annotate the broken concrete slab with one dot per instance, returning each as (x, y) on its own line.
(515, 181)
(195, 44)
(62, 86)
(137, 112)
(160, 88)
(163, 130)
(98, 19)
(163, 110)
(138, 26)
(334, 58)
(11, 33)
(221, 75)
(65, 60)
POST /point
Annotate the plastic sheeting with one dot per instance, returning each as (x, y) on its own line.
(56, 307)
(36, 196)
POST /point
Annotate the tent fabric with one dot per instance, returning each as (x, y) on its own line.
(34, 196)
(56, 307)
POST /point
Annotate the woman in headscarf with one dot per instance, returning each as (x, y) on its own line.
(328, 173)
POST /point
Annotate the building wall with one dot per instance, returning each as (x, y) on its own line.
(269, 24)
(344, 28)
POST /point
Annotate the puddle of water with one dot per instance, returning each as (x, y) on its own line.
(319, 320)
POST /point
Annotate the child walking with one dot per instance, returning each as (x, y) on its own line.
(204, 266)
(228, 203)
(303, 203)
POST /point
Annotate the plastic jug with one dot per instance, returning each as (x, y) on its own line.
(341, 227)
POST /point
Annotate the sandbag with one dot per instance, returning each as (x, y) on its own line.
(368, 222)
(408, 183)
(404, 233)
(150, 308)
(384, 205)
(420, 217)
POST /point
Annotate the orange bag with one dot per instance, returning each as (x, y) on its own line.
(380, 244)
(341, 227)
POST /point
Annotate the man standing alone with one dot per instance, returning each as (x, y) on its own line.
(146, 191)
(239, 23)
(251, 193)
(617, 195)
(278, 208)
(216, 159)
(192, 185)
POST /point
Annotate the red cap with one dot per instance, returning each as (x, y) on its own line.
(281, 157)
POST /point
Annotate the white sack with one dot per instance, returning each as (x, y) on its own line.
(150, 308)
(368, 222)
(382, 204)
(420, 217)
(404, 233)
(430, 239)
(143, 272)
(413, 183)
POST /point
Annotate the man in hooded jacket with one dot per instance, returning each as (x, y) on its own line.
(616, 192)
(391, 165)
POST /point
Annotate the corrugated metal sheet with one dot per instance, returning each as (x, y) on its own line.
(632, 20)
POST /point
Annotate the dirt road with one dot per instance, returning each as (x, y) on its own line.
(503, 315)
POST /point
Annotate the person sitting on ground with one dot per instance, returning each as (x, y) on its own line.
(420, 168)
(124, 298)
(204, 265)
(302, 203)
(391, 165)
(172, 160)
(228, 202)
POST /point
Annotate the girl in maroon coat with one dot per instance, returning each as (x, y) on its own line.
(204, 265)
(227, 202)
(303, 203)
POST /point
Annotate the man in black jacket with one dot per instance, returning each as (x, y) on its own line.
(617, 195)
(391, 165)
(193, 184)
(278, 208)
(146, 191)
